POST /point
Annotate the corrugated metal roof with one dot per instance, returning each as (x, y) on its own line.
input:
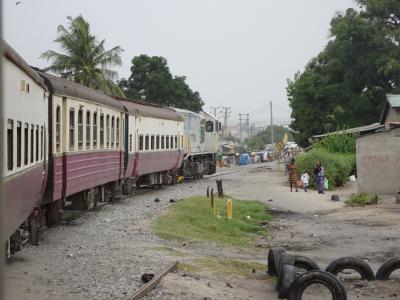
(360, 129)
(149, 110)
(63, 87)
(394, 100)
(15, 58)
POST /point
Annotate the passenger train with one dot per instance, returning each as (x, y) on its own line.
(69, 144)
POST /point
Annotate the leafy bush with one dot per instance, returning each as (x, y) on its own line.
(338, 166)
(362, 199)
(338, 143)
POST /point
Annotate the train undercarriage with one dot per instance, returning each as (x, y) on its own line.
(197, 165)
(51, 213)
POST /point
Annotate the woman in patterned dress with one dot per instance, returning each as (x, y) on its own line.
(292, 175)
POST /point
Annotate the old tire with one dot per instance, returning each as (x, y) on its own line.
(351, 263)
(388, 268)
(284, 260)
(274, 255)
(285, 280)
(305, 263)
(317, 277)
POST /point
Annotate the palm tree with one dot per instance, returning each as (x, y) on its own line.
(84, 60)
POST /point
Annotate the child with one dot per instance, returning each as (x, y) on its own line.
(305, 179)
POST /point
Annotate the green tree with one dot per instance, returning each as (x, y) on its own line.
(151, 80)
(84, 60)
(258, 141)
(345, 85)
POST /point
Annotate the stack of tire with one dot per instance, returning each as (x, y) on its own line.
(291, 285)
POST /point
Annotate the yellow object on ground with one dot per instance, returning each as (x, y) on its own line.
(181, 179)
(229, 209)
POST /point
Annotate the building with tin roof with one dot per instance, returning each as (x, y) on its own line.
(391, 111)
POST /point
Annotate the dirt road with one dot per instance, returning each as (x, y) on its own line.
(305, 224)
(102, 254)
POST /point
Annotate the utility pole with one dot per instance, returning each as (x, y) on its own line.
(227, 114)
(272, 124)
(214, 111)
(244, 121)
(266, 127)
(240, 127)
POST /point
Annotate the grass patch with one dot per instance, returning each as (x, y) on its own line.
(338, 166)
(193, 220)
(362, 199)
(224, 266)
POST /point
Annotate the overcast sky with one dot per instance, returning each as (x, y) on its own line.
(235, 53)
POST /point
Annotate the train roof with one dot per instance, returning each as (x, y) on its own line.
(17, 60)
(186, 111)
(149, 110)
(64, 87)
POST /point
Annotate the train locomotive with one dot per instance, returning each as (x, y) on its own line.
(69, 145)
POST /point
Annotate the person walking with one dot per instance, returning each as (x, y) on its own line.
(287, 159)
(319, 173)
(292, 175)
(305, 179)
(219, 158)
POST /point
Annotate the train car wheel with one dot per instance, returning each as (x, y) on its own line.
(34, 231)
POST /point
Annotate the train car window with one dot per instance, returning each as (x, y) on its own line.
(58, 128)
(209, 126)
(167, 142)
(94, 130)
(219, 126)
(108, 130)
(152, 142)
(157, 142)
(117, 134)
(26, 144)
(32, 141)
(130, 143)
(101, 131)
(41, 142)
(182, 141)
(172, 142)
(176, 142)
(141, 142)
(112, 132)
(71, 129)
(122, 129)
(10, 145)
(19, 144)
(162, 142)
(88, 129)
(37, 143)
(146, 142)
(80, 129)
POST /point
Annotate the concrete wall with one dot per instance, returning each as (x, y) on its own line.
(378, 162)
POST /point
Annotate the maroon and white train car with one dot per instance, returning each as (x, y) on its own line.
(86, 146)
(66, 143)
(155, 143)
(25, 122)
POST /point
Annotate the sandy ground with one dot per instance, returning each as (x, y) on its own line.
(305, 223)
